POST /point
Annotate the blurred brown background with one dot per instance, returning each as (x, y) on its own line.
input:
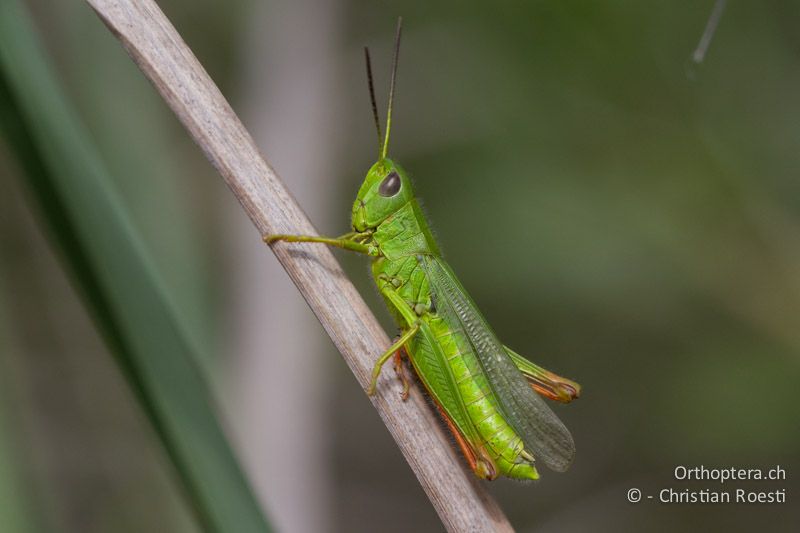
(621, 215)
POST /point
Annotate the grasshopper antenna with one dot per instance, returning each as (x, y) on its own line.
(372, 97)
(385, 148)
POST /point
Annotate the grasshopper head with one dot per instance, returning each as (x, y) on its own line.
(386, 187)
(385, 190)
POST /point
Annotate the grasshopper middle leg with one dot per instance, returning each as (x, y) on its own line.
(376, 370)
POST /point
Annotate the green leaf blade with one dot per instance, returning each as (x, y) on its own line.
(86, 221)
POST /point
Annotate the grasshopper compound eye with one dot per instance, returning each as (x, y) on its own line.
(390, 185)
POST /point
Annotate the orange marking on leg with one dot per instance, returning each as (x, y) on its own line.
(563, 391)
(469, 455)
(398, 368)
(484, 467)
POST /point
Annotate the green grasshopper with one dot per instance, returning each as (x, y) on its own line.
(486, 393)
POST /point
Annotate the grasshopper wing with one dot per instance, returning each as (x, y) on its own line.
(536, 424)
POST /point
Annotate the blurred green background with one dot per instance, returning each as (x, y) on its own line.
(620, 215)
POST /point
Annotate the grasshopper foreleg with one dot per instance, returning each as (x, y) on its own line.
(349, 241)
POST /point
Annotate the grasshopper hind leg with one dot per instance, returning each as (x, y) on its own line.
(480, 463)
